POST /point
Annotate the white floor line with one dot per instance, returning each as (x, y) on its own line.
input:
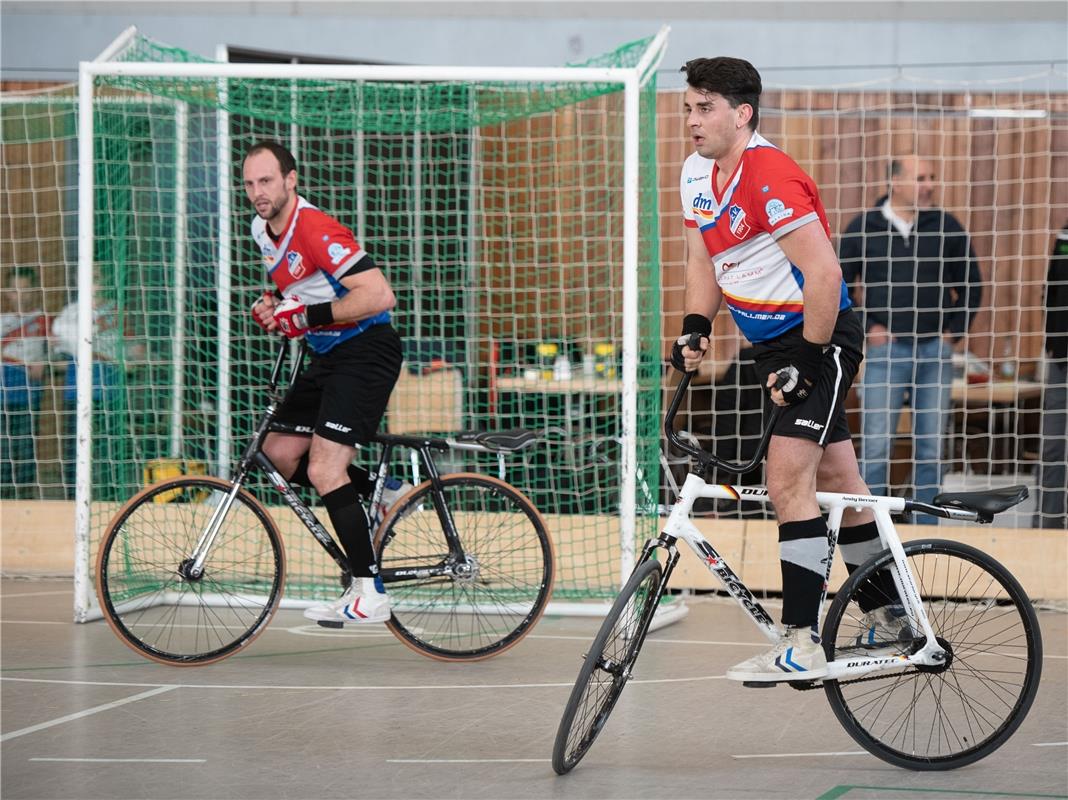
(805, 755)
(128, 760)
(13, 595)
(1049, 744)
(35, 622)
(467, 760)
(86, 713)
(657, 640)
(394, 688)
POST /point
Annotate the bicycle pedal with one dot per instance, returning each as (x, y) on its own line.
(329, 624)
(759, 684)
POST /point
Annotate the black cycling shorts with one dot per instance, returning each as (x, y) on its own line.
(342, 394)
(821, 417)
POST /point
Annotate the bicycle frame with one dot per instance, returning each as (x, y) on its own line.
(680, 526)
(455, 564)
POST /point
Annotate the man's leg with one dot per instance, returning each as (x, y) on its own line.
(328, 470)
(931, 400)
(882, 394)
(858, 538)
(791, 471)
(1053, 475)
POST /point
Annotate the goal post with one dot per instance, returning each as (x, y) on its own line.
(513, 210)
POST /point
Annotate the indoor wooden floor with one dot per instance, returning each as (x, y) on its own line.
(311, 713)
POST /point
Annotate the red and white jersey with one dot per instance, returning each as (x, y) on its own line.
(308, 261)
(24, 338)
(767, 197)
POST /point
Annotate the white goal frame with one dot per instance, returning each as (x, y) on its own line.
(631, 80)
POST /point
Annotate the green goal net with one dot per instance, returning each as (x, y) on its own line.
(495, 206)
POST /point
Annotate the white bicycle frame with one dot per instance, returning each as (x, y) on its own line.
(680, 526)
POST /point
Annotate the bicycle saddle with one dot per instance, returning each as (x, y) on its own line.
(986, 503)
(515, 439)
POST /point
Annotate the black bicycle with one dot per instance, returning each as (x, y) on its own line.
(191, 569)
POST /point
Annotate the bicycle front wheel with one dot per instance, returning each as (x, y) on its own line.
(607, 666)
(478, 606)
(143, 580)
(946, 716)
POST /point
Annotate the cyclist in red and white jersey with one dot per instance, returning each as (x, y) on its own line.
(328, 290)
(757, 239)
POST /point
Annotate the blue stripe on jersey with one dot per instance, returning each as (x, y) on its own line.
(324, 341)
(335, 284)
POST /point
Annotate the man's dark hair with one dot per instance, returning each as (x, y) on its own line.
(285, 158)
(894, 169)
(734, 78)
(28, 273)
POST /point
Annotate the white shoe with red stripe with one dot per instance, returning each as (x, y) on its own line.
(362, 602)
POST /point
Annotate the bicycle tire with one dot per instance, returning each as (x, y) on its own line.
(185, 622)
(620, 638)
(510, 568)
(940, 718)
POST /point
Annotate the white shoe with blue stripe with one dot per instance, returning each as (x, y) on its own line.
(797, 657)
(884, 627)
(361, 603)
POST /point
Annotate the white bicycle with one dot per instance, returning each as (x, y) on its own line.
(950, 686)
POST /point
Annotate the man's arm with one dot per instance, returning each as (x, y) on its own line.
(963, 275)
(703, 295)
(369, 293)
(809, 249)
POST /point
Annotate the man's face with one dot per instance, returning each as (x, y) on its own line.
(17, 297)
(713, 125)
(268, 190)
(914, 186)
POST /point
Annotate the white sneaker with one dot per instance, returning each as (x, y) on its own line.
(883, 627)
(362, 602)
(392, 490)
(797, 657)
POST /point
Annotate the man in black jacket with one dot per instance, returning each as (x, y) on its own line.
(913, 273)
(1053, 475)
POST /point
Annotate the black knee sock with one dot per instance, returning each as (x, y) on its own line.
(859, 543)
(360, 478)
(350, 525)
(802, 557)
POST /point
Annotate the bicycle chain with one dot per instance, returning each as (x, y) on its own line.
(809, 685)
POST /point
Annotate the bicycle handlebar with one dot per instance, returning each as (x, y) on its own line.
(280, 360)
(706, 458)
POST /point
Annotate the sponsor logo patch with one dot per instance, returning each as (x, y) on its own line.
(777, 211)
(337, 252)
(295, 263)
(739, 227)
(336, 426)
(808, 423)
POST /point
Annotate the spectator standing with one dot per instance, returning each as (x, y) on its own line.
(24, 350)
(1052, 509)
(914, 274)
(111, 352)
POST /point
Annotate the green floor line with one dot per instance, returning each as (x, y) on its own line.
(842, 791)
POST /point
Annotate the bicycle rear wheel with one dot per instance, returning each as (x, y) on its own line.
(486, 604)
(607, 666)
(141, 577)
(944, 717)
